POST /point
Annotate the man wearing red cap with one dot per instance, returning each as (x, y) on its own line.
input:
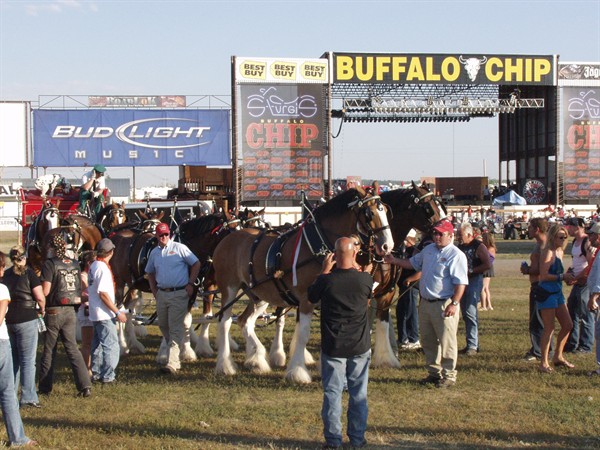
(172, 269)
(443, 280)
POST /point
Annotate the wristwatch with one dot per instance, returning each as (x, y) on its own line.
(454, 303)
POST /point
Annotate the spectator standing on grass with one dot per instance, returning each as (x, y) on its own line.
(407, 314)
(478, 261)
(172, 269)
(344, 293)
(9, 403)
(442, 284)
(83, 313)
(552, 275)
(61, 283)
(486, 296)
(594, 289)
(581, 338)
(27, 302)
(537, 229)
(104, 314)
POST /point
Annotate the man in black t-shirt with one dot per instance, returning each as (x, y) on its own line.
(61, 283)
(344, 294)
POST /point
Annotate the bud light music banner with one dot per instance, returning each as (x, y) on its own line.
(283, 139)
(123, 138)
(581, 146)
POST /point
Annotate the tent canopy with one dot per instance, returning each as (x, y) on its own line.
(510, 198)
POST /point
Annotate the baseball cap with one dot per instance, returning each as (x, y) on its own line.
(595, 228)
(162, 228)
(105, 245)
(444, 226)
(16, 252)
(575, 221)
(99, 168)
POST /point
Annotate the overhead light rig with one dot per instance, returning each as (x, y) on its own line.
(428, 103)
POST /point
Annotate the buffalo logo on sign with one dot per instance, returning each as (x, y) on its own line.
(282, 141)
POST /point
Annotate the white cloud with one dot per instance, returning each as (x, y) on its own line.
(58, 6)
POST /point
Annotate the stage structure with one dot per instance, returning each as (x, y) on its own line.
(579, 174)
(376, 87)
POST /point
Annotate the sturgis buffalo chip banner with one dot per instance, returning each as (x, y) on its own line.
(282, 136)
(131, 137)
(462, 68)
(581, 119)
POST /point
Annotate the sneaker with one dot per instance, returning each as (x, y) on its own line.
(413, 346)
(430, 379)
(530, 357)
(445, 383)
(85, 392)
(31, 405)
(330, 447)
(593, 373)
(468, 351)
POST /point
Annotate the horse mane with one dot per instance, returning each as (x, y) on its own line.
(201, 225)
(338, 205)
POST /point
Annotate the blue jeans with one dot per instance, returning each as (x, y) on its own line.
(582, 335)
(596, 315)
(335, 372)
(105, 350)
(24, 340)
(407, 316)
(468, 308)
(8, 398)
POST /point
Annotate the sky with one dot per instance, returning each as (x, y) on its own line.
(129, 47)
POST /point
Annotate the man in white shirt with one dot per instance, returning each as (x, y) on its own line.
(92, 189)
(103, 314)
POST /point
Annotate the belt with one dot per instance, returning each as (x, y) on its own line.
(173, 289)
(52, 310)
(25, 304)
(431, 300)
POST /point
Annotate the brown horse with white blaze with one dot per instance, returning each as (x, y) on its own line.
(279, 268)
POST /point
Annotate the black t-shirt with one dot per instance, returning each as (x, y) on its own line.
(22, 303)
(344, 295)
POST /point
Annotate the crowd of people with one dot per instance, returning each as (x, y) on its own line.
(440, 282)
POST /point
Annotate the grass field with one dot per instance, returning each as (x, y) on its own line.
(500, 401)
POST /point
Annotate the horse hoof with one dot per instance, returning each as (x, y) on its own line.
(298, 375)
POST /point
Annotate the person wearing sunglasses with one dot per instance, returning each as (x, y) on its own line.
(552, 274)
(27, 301)
(442, 284)
(581, 339)
(172, 270)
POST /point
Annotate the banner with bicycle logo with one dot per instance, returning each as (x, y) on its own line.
(282, 140)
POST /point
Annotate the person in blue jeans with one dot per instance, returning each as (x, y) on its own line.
(478, 262)
(9, 404)
(27, 301)
(103, 314)
(344, 294)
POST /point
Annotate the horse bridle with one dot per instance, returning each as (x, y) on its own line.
(424, 202)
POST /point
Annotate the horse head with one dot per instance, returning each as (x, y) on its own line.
(416, 207)
(111, 216)
(368, 212)
(251, 218)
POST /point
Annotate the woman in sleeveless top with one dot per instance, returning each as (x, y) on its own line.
(551, 278)
(486, 296)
